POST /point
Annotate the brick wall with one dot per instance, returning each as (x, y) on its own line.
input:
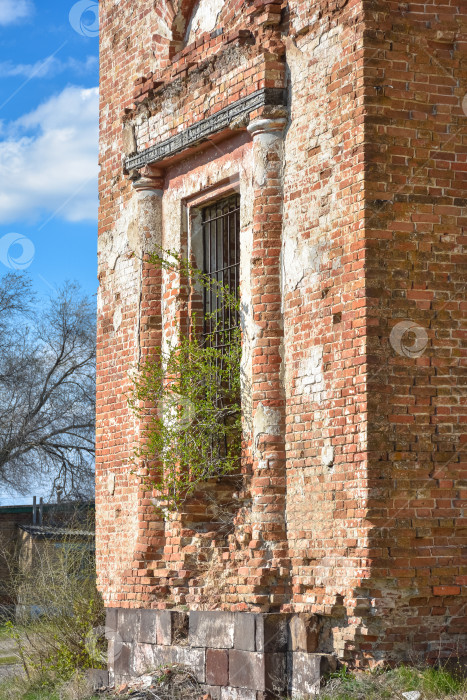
(352, 216)
(415, 230)
(325, 317)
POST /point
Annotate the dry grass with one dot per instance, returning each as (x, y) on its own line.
(172, 682)
(77, 688)
(431, 683)
(177, 683)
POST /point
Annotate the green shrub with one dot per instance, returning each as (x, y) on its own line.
(187, 396)
(60, 614)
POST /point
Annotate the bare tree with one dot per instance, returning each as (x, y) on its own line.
(47, 387)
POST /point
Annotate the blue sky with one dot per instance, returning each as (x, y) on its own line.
(48, 141)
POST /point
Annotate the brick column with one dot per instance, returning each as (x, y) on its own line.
(269, 568)
(143, 581)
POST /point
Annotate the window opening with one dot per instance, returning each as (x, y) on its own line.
(221, 265)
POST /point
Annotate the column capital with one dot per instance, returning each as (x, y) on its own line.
(266, 126)
(148, 178)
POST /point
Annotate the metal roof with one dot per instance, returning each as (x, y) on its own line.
(62, 506)
(50, 531)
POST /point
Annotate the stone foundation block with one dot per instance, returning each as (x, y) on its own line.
(272, 662)
(111, 621)
(194, 659)
(128, 624)
(306, 670)
(304, 633)
(149, 657)
(212, 629)
(142, 659)
(245, 631)
(257, 671)
(272, 632)
(217, 667)
(237, 694)
(147, 633)
(121, 661)
(304, 674)
(172, 627)
(146, 658)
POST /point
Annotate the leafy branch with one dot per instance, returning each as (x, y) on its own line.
(188, 396)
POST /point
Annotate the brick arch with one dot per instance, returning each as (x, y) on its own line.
(176, 15)
(183, 13)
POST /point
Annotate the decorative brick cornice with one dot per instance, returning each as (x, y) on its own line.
(196, 133)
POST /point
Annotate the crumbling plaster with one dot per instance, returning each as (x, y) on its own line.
(311, 262)
(204, 18)
(121, 254)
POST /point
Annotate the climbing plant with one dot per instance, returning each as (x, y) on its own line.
(187, 395)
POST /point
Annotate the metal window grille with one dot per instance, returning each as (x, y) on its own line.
(221, 264)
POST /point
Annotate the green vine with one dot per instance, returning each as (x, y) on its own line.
(187, 397)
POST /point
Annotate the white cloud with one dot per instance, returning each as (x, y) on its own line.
(47, 68)
(48, 160)
(13, 10)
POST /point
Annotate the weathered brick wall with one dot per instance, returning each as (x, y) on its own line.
(415, 180)
(352, 215)
(125, 28)
(325, 314)
(156, 100)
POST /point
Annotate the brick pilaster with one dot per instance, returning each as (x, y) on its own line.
(142, 578)
(269, 556)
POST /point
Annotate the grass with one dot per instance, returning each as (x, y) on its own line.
(8, 660)
(37, 695)
(20, 689)
(433, 684)
(45, 695)
(11, 693)
(4, 631)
